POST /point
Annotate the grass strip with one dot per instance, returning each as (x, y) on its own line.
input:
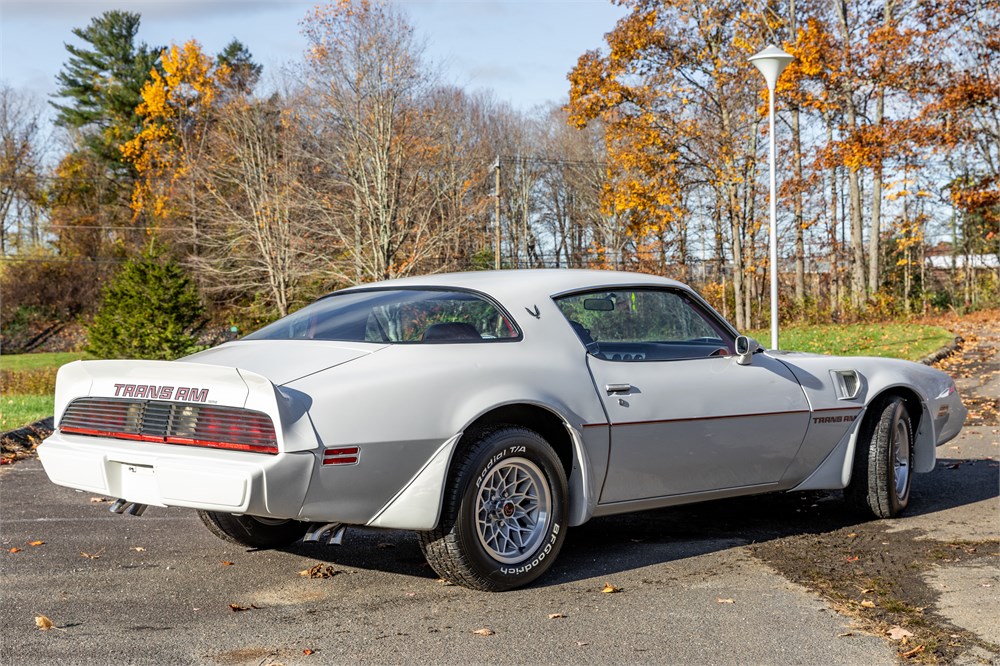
(20, 410)
(894, 340)
(42, 361)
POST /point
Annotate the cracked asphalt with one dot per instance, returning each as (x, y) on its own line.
(763, 580)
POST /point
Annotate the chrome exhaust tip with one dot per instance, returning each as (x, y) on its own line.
(331, 533)
(124, 506)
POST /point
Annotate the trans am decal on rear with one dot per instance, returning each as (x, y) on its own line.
(153, 392)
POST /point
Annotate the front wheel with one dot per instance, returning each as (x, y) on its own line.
(252, 531)
(504, 515)
(881, 477)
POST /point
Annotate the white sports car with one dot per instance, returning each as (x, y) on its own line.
(490, 412)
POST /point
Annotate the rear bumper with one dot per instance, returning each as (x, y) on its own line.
(168, 475)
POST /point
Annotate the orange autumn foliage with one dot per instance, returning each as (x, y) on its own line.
(175, 108)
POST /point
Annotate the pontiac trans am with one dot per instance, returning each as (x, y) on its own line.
(490, 412)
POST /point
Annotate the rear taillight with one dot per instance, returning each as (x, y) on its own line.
(172, 423)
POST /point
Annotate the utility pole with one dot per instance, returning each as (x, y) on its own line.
(496, 216)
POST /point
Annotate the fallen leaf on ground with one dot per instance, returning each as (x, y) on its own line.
(868, 604)
(307, 652)
(139, 549)
(93, 556)
(852, 558)
(15, 549)
(610, 589)
(484, 632)
(44, 623)
(555, 616)
(236, 608)
(227, 563)
(898, 633)
(845, 634)
(852, 535)
(912, 653)
(36, 543)
(725, 601)
(581, 643)
(320, 571)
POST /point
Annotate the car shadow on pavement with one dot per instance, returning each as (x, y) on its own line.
(954, 483)
(604, 546)
(613, 544)
(389, 551)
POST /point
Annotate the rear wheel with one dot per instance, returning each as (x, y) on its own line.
(881, 478)
(504, 515)
(253, 531)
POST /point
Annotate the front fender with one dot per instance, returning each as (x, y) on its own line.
(931, 392)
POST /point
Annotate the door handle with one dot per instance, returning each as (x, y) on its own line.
(615, 389)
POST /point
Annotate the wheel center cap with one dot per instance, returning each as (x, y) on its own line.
(508, 509)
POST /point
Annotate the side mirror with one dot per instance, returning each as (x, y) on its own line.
(745, 348)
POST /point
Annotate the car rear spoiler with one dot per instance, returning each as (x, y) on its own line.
(171, 381)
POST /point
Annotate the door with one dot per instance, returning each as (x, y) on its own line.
(685, 417)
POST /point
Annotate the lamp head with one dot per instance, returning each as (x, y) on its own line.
(771, 62)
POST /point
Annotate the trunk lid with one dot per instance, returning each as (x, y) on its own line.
(283, 361)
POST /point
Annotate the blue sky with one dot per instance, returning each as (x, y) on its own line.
(519, 49)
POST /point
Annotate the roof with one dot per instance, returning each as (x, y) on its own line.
(532, 283)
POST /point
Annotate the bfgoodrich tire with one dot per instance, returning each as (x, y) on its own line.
(882, 473)
(253, 532)
(504, 515)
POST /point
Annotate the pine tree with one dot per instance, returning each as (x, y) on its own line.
(151, 310)
(245, 72)
(103, 83)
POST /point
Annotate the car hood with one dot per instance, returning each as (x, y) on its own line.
(284, 361)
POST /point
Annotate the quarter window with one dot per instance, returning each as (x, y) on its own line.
(645, 325)
(395, 316)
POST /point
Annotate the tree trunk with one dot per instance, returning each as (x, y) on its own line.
(874, 278)
(800, 252)
(835, 294)
(738, 289)
(857, 241)
(853, 178)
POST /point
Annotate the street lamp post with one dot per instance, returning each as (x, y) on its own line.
(771, 62)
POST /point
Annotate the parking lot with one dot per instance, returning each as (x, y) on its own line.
(773, 579)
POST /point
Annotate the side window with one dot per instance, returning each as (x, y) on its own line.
(447, 317)
(396, 316)
(645, 325)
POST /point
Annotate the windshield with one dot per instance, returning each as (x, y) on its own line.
(395, 316)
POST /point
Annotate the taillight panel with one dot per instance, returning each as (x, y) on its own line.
(207, 426)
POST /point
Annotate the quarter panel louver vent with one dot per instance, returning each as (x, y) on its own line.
(171, 423)
(848, 383)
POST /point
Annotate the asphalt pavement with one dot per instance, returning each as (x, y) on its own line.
(160, 589)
